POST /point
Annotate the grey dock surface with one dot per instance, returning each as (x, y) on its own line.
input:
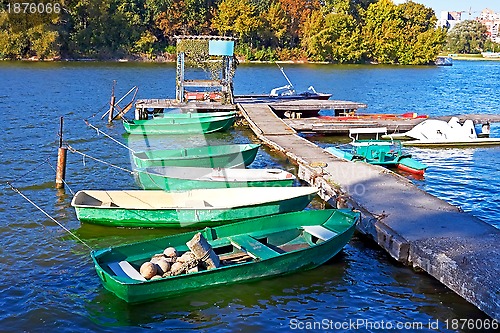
(413, 226)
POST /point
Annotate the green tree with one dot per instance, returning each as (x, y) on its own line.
(333, 37)
(25, 35)
(420, 40)
(467, 37)
(402, 34)
(103, 28)
(381, 32)
(275, 26)
(237, 18)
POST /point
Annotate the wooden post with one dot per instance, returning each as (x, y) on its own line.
(112, 103)
(61, 159)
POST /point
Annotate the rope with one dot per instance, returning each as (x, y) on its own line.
(73, 150)
(108, 136)
(46, 214)
(66, 184)
(30, 171)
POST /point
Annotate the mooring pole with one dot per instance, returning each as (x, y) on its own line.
(61, 159)
(112, 103)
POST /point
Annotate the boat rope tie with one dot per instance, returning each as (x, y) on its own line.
(64, 182)
(108, 136)
(50, 217)
(45, 161)
(73, 150)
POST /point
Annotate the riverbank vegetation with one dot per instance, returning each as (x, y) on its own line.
(337, 31)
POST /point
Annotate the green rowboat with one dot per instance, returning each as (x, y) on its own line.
(195, 208)
(172, 125)
(249, 250)
(223, 156)
(172, 115)
(182, 178)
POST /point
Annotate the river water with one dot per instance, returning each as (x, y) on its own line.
(49, 282)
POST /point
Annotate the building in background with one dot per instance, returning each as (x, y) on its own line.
(492, 22)
(449, 19)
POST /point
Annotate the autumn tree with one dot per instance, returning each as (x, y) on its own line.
(298, 11)
(186, 17)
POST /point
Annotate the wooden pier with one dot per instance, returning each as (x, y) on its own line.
(338, 127)
(413, 226)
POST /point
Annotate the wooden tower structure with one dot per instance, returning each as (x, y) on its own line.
(212, 55)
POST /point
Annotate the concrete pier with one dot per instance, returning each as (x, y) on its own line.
(413, 226)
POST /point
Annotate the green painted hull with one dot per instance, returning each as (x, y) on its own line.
(380, 152)
(179, 126)
(224, 156)
(275, 231)
(156, 181)
(195, 214)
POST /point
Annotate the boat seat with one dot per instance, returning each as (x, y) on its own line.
(253, 247)
(196, 203)
(319, 231)
(125, 269)
(108, 204)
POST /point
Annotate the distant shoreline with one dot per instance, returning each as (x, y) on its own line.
(471, 57)
(167, 60)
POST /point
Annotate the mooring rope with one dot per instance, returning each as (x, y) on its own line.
(73, 150)
(108, 136)
(50, 217)
(64, 182)
(30, 171)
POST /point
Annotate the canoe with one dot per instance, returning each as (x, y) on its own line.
(248, 250)
(194, 208)
(223, 156)
(182, 178)
(170, 125)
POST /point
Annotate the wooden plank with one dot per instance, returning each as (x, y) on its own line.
(265, 120)
(319, 231)
(253, 247)
(125, 269)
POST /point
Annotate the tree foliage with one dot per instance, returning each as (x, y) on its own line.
(467, 37)
(343, 31)
(403, 34)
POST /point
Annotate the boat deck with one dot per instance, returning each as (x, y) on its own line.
(413, 226)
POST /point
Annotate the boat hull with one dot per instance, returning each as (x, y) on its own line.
(381, 153)
(179, 126)
(192, 210)
(182, 178)
(411, 165)
(169, 115)
(341, 221)
(226, 156)
(479, 142)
